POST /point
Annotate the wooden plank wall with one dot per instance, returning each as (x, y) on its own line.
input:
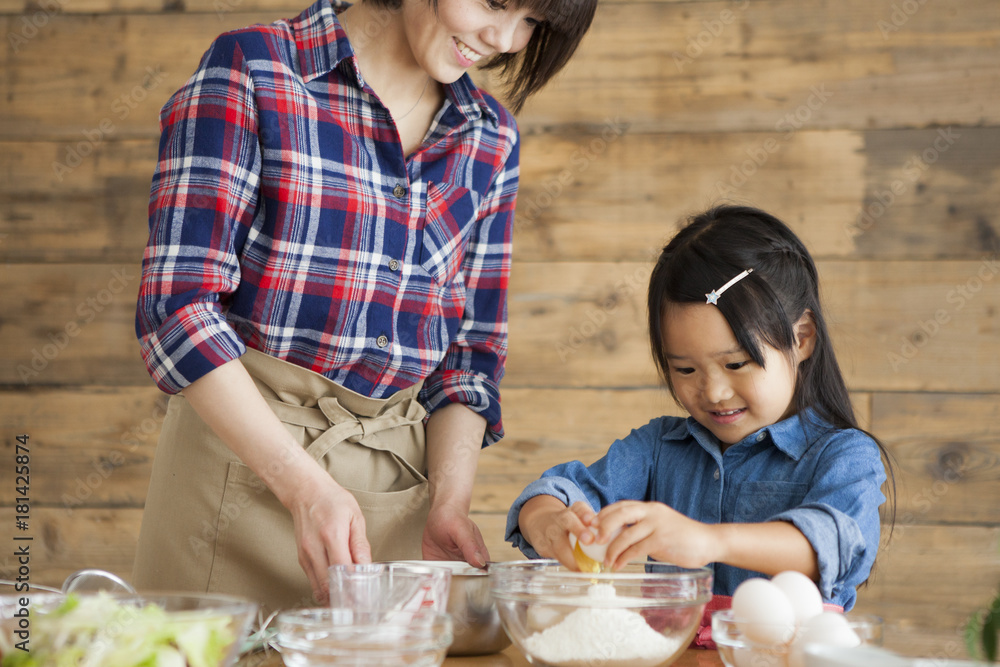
(871, 126)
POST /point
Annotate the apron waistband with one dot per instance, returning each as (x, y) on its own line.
(305, 398)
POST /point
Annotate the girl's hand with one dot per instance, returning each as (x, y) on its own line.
(656, 530)
(329, 529)
(546, 523)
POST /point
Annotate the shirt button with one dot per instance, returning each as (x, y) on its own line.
(399, 191)
(393, 264)
(381, 341)
(761, 436)
(716, 475)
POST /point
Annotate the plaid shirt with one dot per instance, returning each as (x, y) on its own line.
(285, 217)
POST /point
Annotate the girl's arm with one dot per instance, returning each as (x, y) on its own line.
(329, 526)
(656, 530)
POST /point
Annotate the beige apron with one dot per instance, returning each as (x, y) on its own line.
(210, 524)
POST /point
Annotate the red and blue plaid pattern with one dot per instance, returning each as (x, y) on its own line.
(285, 217)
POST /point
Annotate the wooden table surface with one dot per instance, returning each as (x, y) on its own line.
(508, 658)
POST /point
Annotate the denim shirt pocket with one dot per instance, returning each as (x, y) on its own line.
(450, 214)
(760, 501)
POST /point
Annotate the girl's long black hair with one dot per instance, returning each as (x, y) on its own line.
(717, 245)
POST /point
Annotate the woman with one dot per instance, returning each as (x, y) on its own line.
(324, 289)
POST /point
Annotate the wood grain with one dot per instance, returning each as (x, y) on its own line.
(870, 126)
(597, 195)
(896, 326)
(703, 66)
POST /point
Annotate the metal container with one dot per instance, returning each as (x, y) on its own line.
(475, 620)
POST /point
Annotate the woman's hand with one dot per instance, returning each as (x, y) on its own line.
(546, 523)
(329, 529)
(451, 535)
(655, 530)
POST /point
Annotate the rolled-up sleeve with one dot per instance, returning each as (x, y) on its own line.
(202, 202)
(840, 515)
(473, 365)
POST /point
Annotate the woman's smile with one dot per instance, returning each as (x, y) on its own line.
(467, 56)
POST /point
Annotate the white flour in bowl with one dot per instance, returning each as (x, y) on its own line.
(599, 635)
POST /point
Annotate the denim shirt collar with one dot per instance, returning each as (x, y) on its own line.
(322, 45)
(786, 435)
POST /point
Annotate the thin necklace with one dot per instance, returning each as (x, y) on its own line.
(418, 100)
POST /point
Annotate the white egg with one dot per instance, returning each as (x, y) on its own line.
(763, 612)
(802, 593)
(829, 628)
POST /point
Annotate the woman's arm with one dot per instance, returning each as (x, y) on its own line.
(454, 439)
(329, 527)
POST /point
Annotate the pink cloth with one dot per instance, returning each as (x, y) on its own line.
(703, 637)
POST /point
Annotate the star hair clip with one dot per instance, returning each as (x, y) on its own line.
(713, 296)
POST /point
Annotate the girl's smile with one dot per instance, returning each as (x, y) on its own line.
(718, 383)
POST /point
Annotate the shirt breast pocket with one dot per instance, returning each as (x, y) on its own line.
(760, 501)
(451, 212)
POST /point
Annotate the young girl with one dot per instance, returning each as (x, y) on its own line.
(770, 472)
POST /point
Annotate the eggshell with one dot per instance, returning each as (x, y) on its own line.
(594, 551)
(763, 612)
(802, 593)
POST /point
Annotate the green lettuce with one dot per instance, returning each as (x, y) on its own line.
(101, 631)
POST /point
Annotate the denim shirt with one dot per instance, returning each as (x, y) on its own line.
(825, 481)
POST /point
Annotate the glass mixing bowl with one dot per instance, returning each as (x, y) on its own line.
(474, 616)
(362, 638)
(737, 649)
(125, 629)
(642, 616)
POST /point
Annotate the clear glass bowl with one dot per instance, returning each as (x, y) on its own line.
(103, 627)
(394, 585)
(369, 638)
(738, 650)
(642, 616)
(474, 616)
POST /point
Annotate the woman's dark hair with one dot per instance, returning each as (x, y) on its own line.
(551, 45)
(719, 244)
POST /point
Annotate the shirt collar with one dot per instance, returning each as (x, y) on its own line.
(786, 435)
(322, 45)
